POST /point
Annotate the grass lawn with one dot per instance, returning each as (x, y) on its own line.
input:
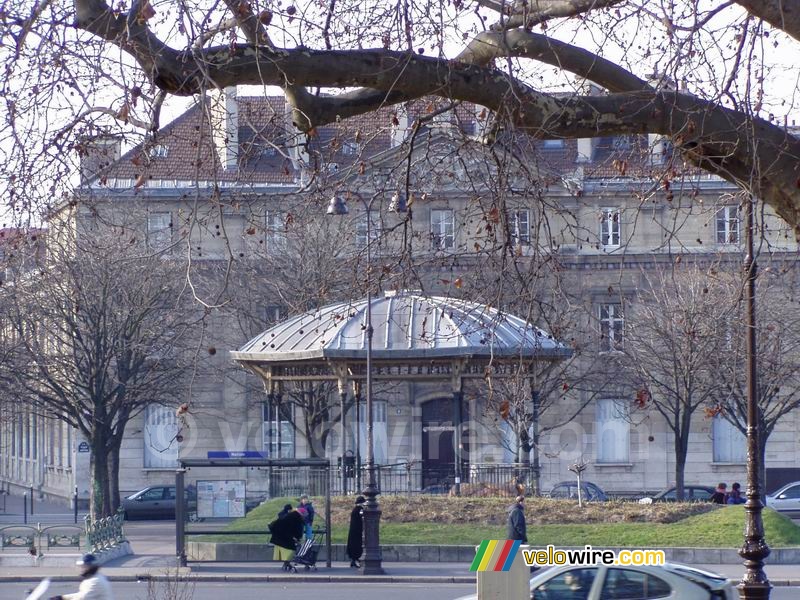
(721, 528)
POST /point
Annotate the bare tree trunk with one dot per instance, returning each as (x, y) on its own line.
(100, 504)
(681, 448)
(113, 475)
(537, 468)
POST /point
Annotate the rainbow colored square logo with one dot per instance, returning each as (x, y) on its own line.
(495, 555)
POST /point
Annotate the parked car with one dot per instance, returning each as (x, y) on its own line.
(156, 502)
(569, 489)
(437, 488)
(691, 493)
(786, 500)
(668, 582)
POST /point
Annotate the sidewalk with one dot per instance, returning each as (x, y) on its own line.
(139, 568)
(43, 511)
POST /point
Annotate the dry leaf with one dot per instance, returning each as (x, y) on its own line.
(122, 113)
(146, 12)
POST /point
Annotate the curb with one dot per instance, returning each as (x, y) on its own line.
(260, 579)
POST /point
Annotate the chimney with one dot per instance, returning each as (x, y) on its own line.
(296, 147)
(658, 148)
(400, 131)
(586, 146)
(225, 126)
(483, 120)
(656, 142)
(585, 150)
(97, 154)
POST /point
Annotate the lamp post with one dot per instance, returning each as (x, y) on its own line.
(754, 584)
(372, 513)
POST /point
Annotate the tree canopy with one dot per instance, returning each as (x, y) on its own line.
(705, 74)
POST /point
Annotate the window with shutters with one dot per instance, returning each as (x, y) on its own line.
(613, 433)
(160, 437)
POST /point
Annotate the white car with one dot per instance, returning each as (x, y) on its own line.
(786, 499)
(671, 581)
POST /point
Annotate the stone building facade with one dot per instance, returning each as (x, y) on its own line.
(232, 187)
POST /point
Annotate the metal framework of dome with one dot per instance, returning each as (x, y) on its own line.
(407, 327)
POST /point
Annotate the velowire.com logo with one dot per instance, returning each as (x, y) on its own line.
(495, 555)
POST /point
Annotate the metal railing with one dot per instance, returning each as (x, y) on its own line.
(106, 533)
(477, 480)
(36, 538)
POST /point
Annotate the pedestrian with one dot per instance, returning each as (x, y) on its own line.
(736, 497)
(720, 496)
(287, 508)
(285, 533)
(517, 529)
(305, 502)
(94, 586)
(307, 531)
(355, 540)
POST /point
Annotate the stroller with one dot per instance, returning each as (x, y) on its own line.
(306, 554)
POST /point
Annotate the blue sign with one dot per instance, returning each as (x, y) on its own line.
(83, 447)
(237, 454)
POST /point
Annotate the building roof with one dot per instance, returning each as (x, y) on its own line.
(407, 325)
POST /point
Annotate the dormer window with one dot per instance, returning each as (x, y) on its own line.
(622, 142)
(267, 151)
(349, 148)
(159, 151)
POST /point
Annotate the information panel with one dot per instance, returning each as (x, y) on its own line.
(220, 499)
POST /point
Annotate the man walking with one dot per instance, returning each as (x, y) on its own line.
(517, 529)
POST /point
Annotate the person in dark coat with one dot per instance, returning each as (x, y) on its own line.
(287, 508)
(285, 533)
(517, 529)
(720, 496)
(355, 536)
(736, 497)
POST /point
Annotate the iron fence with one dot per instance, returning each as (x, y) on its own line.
(35, 539)
(477, 480)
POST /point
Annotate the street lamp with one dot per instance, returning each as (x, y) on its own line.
(372, 513)
(754, 584)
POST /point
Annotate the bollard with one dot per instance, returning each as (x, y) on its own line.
(25, 507)
(31, 500)
(510, 585)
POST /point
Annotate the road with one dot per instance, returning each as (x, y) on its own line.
(338, 591)
(215, 591)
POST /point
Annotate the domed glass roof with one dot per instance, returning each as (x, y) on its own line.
(407, 325)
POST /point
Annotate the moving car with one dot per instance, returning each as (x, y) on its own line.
(786, 500)
(691, 493)
(156, 502)
(569, 489)
(668, 582)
